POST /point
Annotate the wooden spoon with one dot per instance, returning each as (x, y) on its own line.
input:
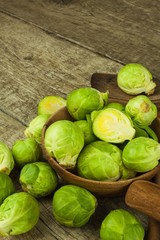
(153, 231)
(145, 197)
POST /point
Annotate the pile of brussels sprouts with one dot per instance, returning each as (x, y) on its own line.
(104, 142)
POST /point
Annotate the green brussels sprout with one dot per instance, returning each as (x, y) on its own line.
(127, 173)
(19, 213)
(73, 206)
(6, 159)
(112, 125)
(64, 140)
(26, 151)
(34, 130)
(145, 131)
(100, 161)
(38, 179)
(50, 104)
(115, 105)
(83, 101)
(6, 186)
(86, 127)
(141, 154)
(134, 79)
(121, 224)
(141, 110)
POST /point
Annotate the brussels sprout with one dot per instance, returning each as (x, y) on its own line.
(34, 130)
(121, 224)
(6, 159)
(151, 133)
(134, 79)
(100, 161)
(145, 131)
(112, 125)
(73, 206)
(127, 173)
(64, 140)
(141, 110)
(86, 127)
(38, 179)
(141, 154)
(6, 186)
(83, 101)
(115, 105)
(140, 132)
(26, 151)
(50, 104)
(19, 213)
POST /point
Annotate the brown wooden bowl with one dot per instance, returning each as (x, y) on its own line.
(100, 188)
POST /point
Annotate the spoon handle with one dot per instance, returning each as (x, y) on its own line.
(153, 232)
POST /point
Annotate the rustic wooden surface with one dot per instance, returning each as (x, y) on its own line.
(51, 47)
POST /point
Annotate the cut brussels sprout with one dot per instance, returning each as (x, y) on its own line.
(134, 79)
(112, 125)
(50, 104)
(26, 151)
(83, 101)
(38, 179)
(86, 127)
(6, 186)
(64, 140)
(6, 159)
(73, 206)
(100, 161)
(121, 224)
(141, 154)
(19, 213)
(141, 110)
(34, 130)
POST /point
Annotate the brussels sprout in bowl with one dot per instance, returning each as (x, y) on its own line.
(101, 188)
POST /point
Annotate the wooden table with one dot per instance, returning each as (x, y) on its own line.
(51, 47)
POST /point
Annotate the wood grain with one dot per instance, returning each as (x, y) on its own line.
(36, 64)
(124, 31)
(51, 47)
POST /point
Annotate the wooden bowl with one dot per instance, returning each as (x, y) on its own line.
(100, 188)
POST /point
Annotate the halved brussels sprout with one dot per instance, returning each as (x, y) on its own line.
(6, 159)
(83, 101)
(6, 186)
(112, 125)
(26, 151)
(64, 140)
(19, 213)
(100, 161)
(141, 110)
(121, 224)
(50, 104)
(34, 130)
(141, 154)
(134, 79)
(73, 206)
(38, 179)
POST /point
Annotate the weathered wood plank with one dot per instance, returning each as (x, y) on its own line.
(125, 31)
(35, 64)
